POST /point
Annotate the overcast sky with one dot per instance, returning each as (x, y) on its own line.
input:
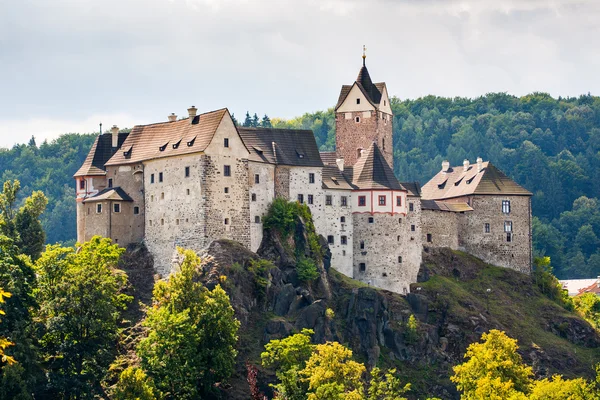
(66, 65)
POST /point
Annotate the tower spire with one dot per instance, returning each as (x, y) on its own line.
(364, 56)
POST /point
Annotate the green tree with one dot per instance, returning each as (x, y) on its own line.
(386, 386)
(81, 297)
(133, 384)
(247, 120)
(588, 306)
(266, 122)
(192, 334)
(255, 121)
(494, 369)
(558, 388)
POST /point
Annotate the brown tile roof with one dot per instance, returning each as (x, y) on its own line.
(99, 154)
(371, 171)
(593, 288)
(413, 188)
(281, 146)
(114, 193)
(456, 183)
(329, 157)
(174, 138)
(372, 91)
(445, 206)
(333, 179)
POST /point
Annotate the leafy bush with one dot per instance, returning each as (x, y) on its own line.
(281, 216)
(412, 325)
(306, 269)
(134, 384)
(259, 270)
(548, 284)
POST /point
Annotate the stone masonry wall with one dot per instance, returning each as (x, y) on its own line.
(282, 181)
(392, 249)
(264, 193)
(352, 135)
(336, 220)
(493, 247)
(442, 226)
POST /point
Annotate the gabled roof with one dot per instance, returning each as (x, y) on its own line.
(457, 182)
(371, 171)
(281, 146)
(166, 139)
(333, 179)
(372, 91)
(114, 193)
(593, 288)
(437, 205)
(328, 157)
(99, 154)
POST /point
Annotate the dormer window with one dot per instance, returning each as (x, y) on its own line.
(357, 101)
(300, 155)
(176, 145)
(163, 147)
(127, 154)
(191, 142)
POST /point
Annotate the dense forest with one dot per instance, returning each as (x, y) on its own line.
(550, 146)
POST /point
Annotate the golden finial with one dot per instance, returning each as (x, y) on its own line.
(364, 53)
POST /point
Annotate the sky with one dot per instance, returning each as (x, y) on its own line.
(67, 65)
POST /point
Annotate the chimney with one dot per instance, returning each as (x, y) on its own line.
(192, 111)
(445, 166)
(465, 165)
(115, 135)
(340, 163)
(479, 164)
(172, 117)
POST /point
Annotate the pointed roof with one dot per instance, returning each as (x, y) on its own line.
(99, 154)
(372, 91)
(114, 193)
(456, 182)
(371, 171)
(166, 139)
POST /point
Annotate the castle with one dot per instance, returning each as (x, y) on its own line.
(186, 182)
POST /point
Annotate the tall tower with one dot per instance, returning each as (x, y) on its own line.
(362, 116)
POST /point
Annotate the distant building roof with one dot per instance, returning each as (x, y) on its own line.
(574, 286)
(371, 171)
(372, 91)
(593, 288)
(281, 146)
(456, 183)
(329, 157)
(437, 205)
(114, 193)
(166, 139)
(99, 154)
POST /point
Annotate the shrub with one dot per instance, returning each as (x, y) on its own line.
(306, 269)
(259, 270)
(134, 384)
(549, 284)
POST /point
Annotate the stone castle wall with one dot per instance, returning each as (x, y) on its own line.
(493, 247)
(336, 220)
(351, 135)
(443, 228)
(263, 194)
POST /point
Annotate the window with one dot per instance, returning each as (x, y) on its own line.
(412, 228)
(117, 207)
(357, 101)
(226, 221)
(399, 259)
(344, 201)
(429, 238)
(136, 210)
(411, 207)
(187, 191)
(506, 206)
(330, 239)
(187, 172)
(344, 240)
(357, 119)
(509, 236)
(384, 102)
(311, 178)
(226, 189)
(150, 222)
(371, 220)
(227, 170)
(486, 227)
(362, 201)
(99, 208)
(151, 178)
(256, 178)
(398, 201)
(301, 198)
(399, 220)
(226, 142)
(342, 219)
(328, 200)
(257, 219)
(362, 244)
(151, 198)
(343, 252)
(253, 196)
(398, 238)
(82, 184)
(383, 144)
(362, 267)
(162, 221)
(177, 221)
(508, 226)
(160, 176)
(162, 195)
(88, 211)
(382, 200)
(310, 199)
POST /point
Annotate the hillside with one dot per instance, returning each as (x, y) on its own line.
(451, 307)
(550, 146)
